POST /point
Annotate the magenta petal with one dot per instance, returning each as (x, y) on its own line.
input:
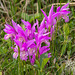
(27, 24)
(65, 12)
(5, 30)
(63, 7)
(18, 43)
(45, 15)
(47, 42)
(54, 21)
(32, 60)
(51, 12)
(43, 49)
(23, 55)
(49, 55)
(33, 27)
(56, 14)
(7, 26)
(24, 47)
(37, 23)
(46, 34)
(15, 55)
(30, 42)
(7, 36)
(9, 29)
(41, 31)
(16, 49)
(66, 18)
(42, 25)
(14, 25)
(58, 9)
(24, 22)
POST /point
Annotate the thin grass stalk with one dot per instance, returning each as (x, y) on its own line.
(19, 72)
(39, 5)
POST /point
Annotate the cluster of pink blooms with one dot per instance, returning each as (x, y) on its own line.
(29, 41)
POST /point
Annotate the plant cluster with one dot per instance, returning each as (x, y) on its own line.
(28, 43)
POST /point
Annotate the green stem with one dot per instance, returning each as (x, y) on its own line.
(49, 30)
(25, 67)
(56, 28)
(19, 72)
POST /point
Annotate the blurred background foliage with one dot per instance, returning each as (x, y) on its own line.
(62, 47)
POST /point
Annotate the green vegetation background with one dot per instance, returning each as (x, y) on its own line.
(62, 47)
